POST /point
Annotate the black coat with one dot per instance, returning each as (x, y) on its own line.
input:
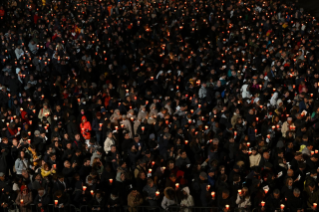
(45, 200)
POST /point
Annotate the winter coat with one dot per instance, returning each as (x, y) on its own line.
(134, 199)
(107, 144)
(166, 202)
(243, 202)
(188, 202)
(27, 200)
(254, 160)
(85, 129)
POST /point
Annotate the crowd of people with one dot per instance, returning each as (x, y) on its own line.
(161, 104)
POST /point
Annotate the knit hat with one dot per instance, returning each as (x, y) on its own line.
(203, 175)
(23, 187)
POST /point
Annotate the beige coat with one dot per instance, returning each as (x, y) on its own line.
(254, 160)
(27, 200)
(285, 128)
(134, 199)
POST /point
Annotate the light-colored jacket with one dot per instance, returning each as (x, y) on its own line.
(43, 112)
(18, 53)
(243, 202)
(107, 144)
(166, 202)
(202, 92)
(188, 202)
(285, 128)
(244, 92)
(254, 160)
(21, 165)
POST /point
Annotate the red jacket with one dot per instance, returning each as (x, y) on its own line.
(85, 129)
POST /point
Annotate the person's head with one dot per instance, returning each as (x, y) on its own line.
(142, 175)
(225, 194)
(245, 191)
(312, 186)
(276, 193)
(222, 169)
(41, 191)
(289, 182)
(52, 157)
(150, 182)
(171, 164)
(266, 155)
(113, 149)
(2, 176)
(183, 154)
(67, 164)
(298, 156)
(296, 192)
(24, 190)
(61, 178)
(172, 177)
(77, 137)
(110, 134)
(58, 194)
(22, 154)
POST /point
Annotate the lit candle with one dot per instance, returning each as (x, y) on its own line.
(19, 128)
(56, 202)
(312, 152)
(101, 124)
(248, 144)
(29, 141)
(239, 191)
(257, 119)
(186, 142)
(92, 192)
(262, 203)
(266, 190)
(21, 201)
(29, 133)
(153, 163)
(143, 128)
(315, 205)
(157, 193)
(255, 131)
(282, 206)
(150, 171)
(84, 188)
(227, 207)
(208, 187)
(176, 185)
(54, 166)
(111, 181)
(199, 105)
(213, 194)
(316, 151)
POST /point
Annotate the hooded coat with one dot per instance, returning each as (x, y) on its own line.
(85, 128)
(187, 202)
